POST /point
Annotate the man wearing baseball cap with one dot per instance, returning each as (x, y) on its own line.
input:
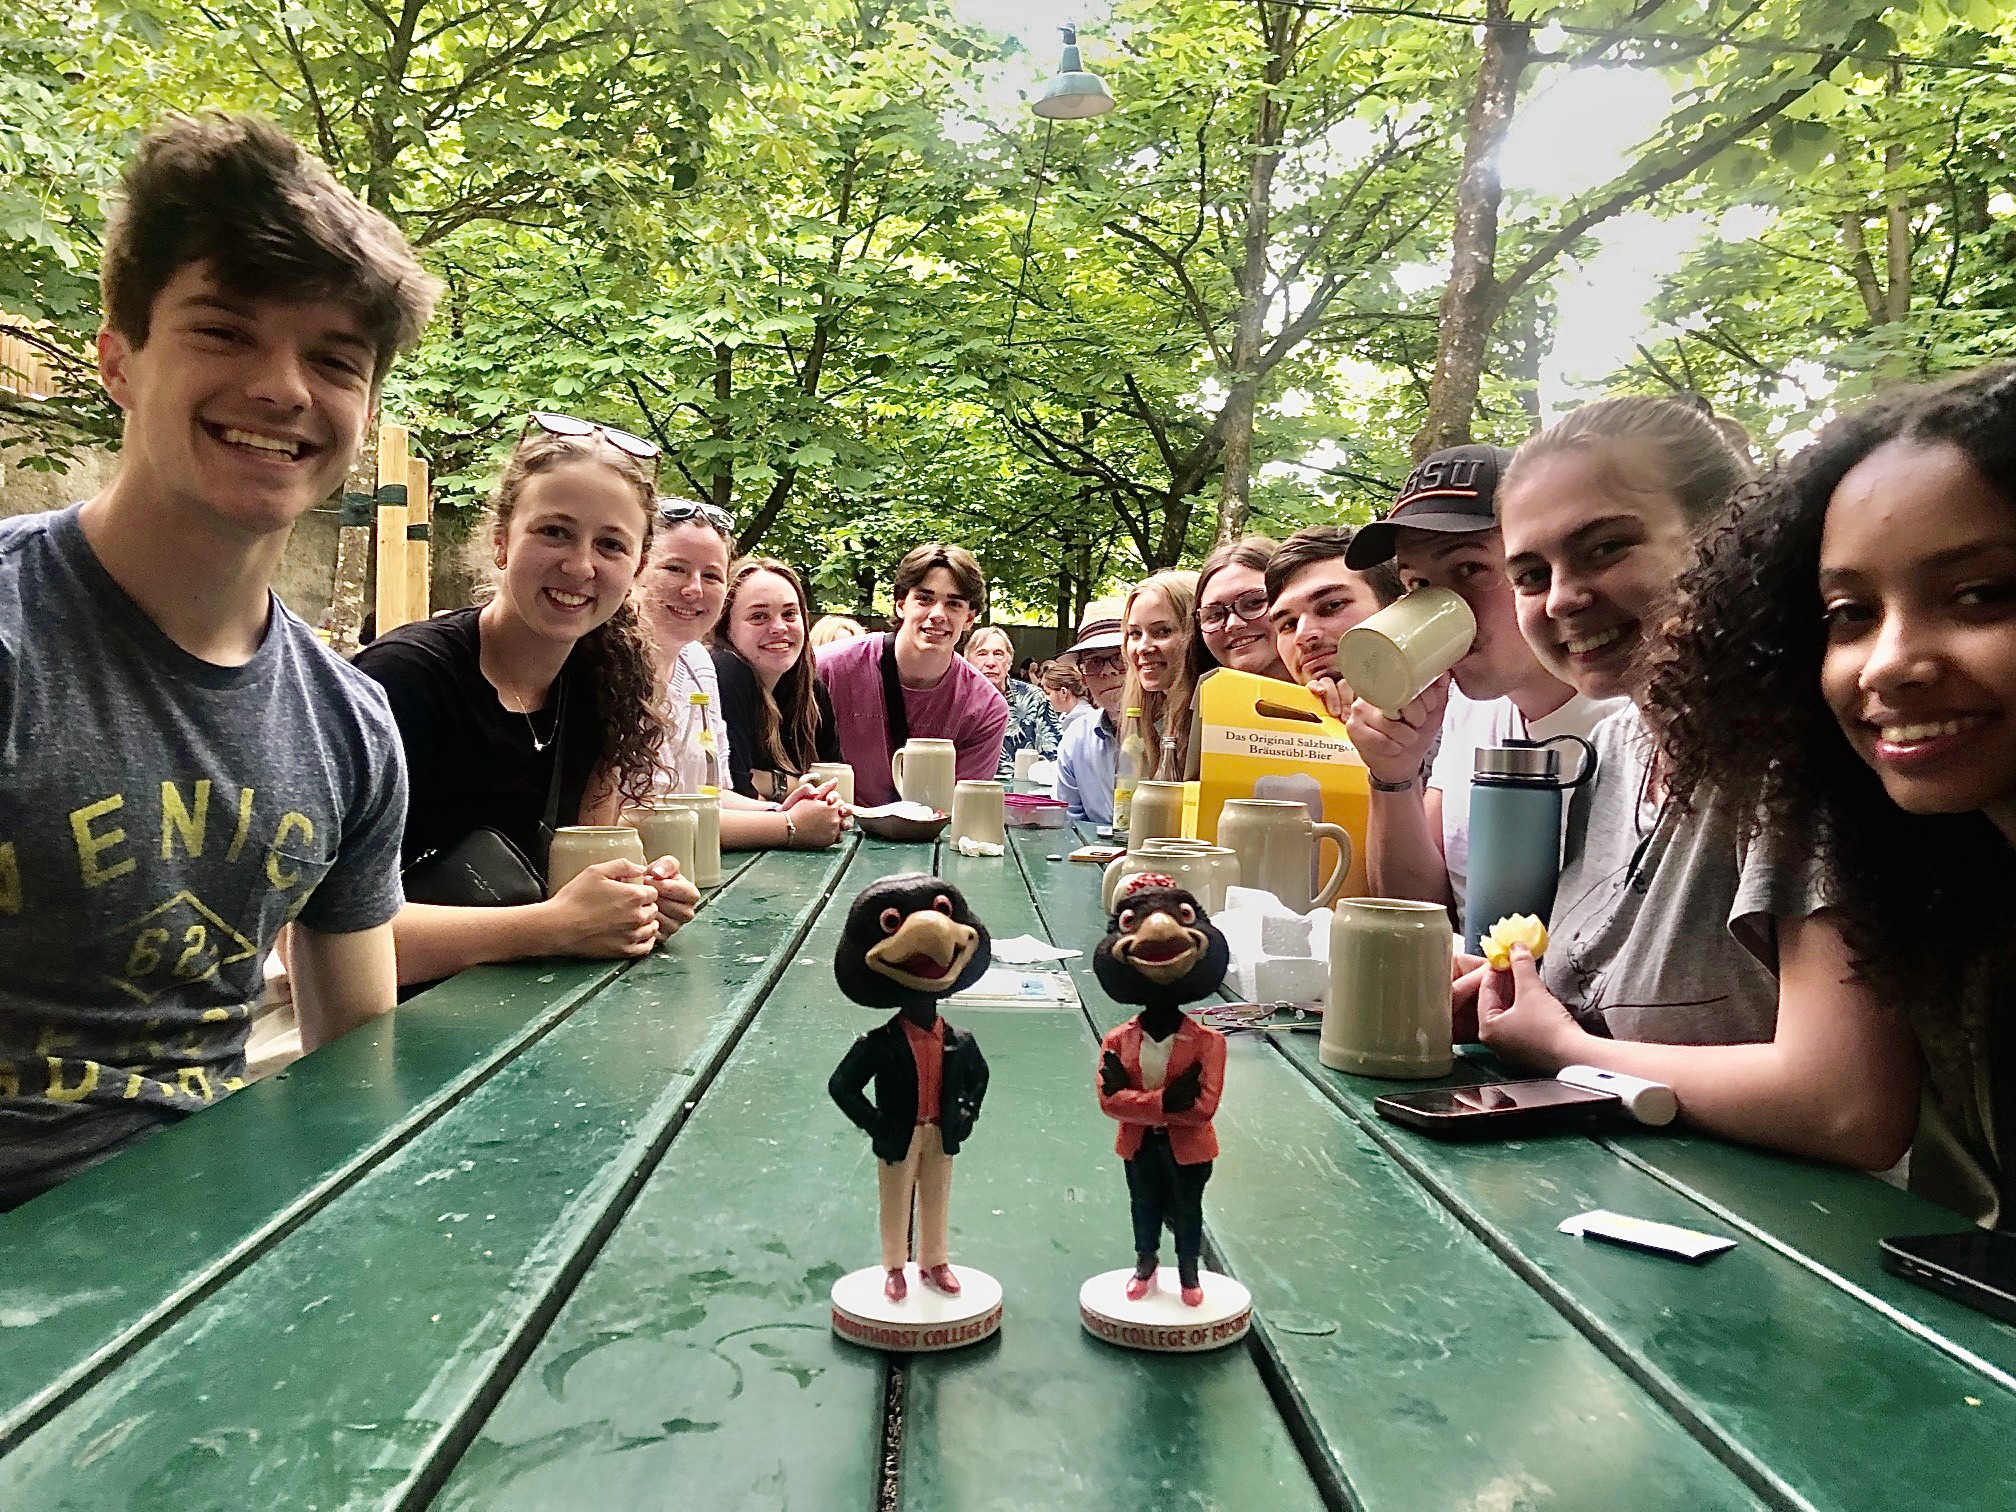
(1089, 753)
(1442, 533)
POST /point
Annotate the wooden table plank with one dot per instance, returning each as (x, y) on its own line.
(379, 1321)
(1045, 1416)
(1427, 1374)
(1818, 1399)
(694, 1364)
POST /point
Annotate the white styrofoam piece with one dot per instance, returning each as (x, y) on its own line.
(1290, 979)
(1254, 900)
(1284, 934)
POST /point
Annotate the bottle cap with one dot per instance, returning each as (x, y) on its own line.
(1133, 711)
(1517, 759)
(696, 697)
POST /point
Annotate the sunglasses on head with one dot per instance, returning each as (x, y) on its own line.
(572, 425)
(679, 511)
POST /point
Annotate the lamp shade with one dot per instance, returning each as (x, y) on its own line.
(1072, 94)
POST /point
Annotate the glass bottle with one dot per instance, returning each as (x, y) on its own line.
(1170, 767)
(1128, 769)
(710, 754)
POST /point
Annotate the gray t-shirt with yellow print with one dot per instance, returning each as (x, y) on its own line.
(160, 819)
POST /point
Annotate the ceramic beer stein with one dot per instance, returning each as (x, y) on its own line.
(706, 809)
(978, 813)
(1276, 841)
(1157, 813)
(579, 846)
(1391, 658)
(839, 773)
(669, 829)
(1206, 870)
(1388, 1009)
(924, 772)
(1025, 760)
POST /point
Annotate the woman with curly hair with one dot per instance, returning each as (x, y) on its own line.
(552, 672)
(1160, 622)
(1681, 951)
(1846, 664)
(683, 591)
(780, 720)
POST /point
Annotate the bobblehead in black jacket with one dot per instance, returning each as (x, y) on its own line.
(882, 1055)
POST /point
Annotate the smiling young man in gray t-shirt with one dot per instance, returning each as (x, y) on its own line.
(183, 767)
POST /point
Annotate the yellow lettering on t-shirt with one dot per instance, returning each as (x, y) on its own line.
(196, 1083)
(10, 880)
(135, 1085)
(51, 1039)
(189, 966)
(244, 824)
(62, 1091)
(289, 821)
(90, 847)
(145, 956)
(10, 1079)
(177, 820)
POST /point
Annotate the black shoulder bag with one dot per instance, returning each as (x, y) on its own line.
(484, 869)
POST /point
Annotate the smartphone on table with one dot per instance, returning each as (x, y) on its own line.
(1494, 1110)
(1975, 1266)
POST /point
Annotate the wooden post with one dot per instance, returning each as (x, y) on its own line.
(419, 542)
(392, 493)
(353, 554)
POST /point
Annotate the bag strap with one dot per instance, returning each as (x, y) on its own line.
(894, 715)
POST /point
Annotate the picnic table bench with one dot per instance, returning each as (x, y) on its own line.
(560, 1234)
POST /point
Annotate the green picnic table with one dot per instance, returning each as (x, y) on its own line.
(560, 1235)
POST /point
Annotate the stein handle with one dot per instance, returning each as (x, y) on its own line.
(896, 773)
(1109, 881)
(1342, 839)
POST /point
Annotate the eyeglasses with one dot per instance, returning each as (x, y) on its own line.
(571, 425)
(1250, 605)
(679, 511)
(1098, 661)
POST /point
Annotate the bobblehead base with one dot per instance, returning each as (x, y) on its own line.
(924, 1321)
(1159, 1323)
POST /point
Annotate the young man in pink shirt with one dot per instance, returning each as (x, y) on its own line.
(911, 682)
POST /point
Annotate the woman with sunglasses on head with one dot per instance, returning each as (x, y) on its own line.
(1031, 725)
(1232, 626)
(538, 703)
(779, 718)
(682, 591)
(1161, 624)
(1681, 951)
(1846, 663)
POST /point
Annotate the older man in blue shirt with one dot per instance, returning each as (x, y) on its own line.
(1090, 749)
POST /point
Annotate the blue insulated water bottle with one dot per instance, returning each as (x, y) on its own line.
(1515, 830)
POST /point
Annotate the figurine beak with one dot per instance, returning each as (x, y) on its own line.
(927, 952)
(1161, 949)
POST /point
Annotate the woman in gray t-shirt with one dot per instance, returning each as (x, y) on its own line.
(1678, 953)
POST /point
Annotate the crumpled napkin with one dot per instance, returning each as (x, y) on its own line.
(967, 846)
(1027, 950)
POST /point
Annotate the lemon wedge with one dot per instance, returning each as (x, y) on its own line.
(1514, 929)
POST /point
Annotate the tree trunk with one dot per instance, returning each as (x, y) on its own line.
(1470, 299)
(1281, 30)
(723, 482)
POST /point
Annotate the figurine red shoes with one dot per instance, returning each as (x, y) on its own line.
(1193, 1296)
(896, 1288)
(1138, 1285)
(941, 1278)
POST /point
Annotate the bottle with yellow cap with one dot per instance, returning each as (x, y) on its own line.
(710, 753)
(1128, 769)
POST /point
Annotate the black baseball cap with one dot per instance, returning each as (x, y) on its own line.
(1452, 491)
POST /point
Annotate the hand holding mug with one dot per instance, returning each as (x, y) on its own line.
(678, 899)
(609, 909)
(1394, 747)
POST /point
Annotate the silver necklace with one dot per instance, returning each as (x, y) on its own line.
(539, 746)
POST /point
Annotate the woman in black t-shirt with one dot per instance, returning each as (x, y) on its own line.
(553, 669)
(780, 720)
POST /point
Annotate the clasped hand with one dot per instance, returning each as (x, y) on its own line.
(1394, 750)
(618, 908)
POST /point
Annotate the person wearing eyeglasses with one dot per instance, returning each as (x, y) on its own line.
(1442, 532)
(1232, 627)
(1089, 753)
(534, 711)
(911, 682)
(683, 591)
(1032, 725)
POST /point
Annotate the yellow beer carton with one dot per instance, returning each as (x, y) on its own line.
(1254, 737)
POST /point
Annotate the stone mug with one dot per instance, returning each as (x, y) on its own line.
(1157, 813)
(1204, 869)
(579, 846)
(1389, 1004)
(669, 829)
(978, 812)
(706, 809)
(1276, 841)
(924, 772)
(839, 773)
(1391, 658)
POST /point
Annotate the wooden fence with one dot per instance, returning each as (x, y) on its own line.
(24, 370)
